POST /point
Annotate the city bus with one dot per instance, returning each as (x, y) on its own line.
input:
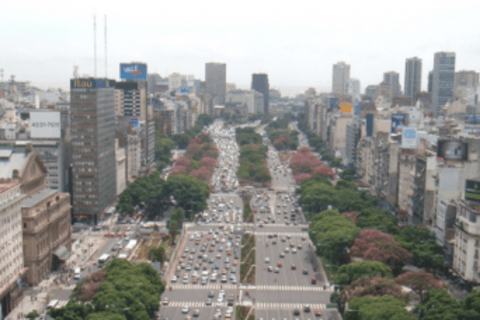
(104, 258)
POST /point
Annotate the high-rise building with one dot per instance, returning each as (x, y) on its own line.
(93, 147)
(430, 82)
(413, 76)
(260, 84)
(392, 78)
(341, 73)
(443, 80)
(466, 83)
(215, 83)
(353, 89)
(371, 91)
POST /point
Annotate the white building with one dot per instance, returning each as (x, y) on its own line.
(253, 99)
(120, 160)
(11, 245)
(353, 89)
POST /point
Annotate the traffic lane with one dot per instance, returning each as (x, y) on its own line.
(302, 261)
(275, 228)
(282, 314)
(293, 296)
(92, 265)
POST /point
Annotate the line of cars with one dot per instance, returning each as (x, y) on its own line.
(209, 266)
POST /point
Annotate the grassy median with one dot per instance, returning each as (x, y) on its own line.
(247, 269)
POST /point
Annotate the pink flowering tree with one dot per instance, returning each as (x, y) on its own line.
(375, 245)
(324, 171)
(202, 173)
(196, 140)
(303, 161)
(299, 178)
(183, 162)
(178, 169)
(208, 162)
(419, 282)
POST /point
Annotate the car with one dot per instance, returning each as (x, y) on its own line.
(277, 270)
(186, 249)
(270, 268)
(294, 250)
(314, 280)
(299, 246)
(220, 299)
(219, 256)
(279, 264)
(195, 280)
(282, 255)
(234, 280)
(306, 308)
(211, 249)
(211, 294)
(217, 266)
(293, 267)
(224, 278)
(197, 242)
(196, 313)
(224, 271)
(318, 312)
(193, 250)
(287, 249)
(227, 266)
(185, 279)
(234, 263)
(165, 301)
(305, 271)
(185, 309)
(283, 239)
(296, 311)
(292, 245)
(267, 260)
(204, 280)
(174, 278)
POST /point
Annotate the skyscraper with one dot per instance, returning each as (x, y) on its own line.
(215, 83)
(341, 73)
(260, 84)
(392, 79)
(430, 82)
(443, 80)
(413, 76)
(353, 89)
(93, 147)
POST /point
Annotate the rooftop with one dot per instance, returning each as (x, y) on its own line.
(7, 186)
(15, 161)
(37, 197)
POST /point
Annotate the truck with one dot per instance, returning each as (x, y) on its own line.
(231, 298)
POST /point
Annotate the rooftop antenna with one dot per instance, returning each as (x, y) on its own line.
(106, 47)
(95, 46)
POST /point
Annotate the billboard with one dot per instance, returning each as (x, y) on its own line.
(472, 190)
(333, 103)
(45, 125)
(357, 109)
(183, 90)
(133, 71)
(409, 138)
(452, 150)
(346, 107)
(92, 83)
(399, 120)
(369, 125)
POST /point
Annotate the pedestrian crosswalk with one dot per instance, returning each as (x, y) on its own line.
(69, 287)
(241, 287)
(282, 305)
(296, 288)
(204, 287)
(61, 303)
(194, 304)
(282, 234)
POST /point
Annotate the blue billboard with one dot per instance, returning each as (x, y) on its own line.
(399, 120)
(357, 109)
(133, 71)
(333, 103)
(183, 90)
(369, 125)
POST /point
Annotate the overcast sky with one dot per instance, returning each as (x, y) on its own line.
(295, 42)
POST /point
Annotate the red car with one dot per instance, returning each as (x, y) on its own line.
(279, 265)
(318, 312)
(208, 238)
(195, 281)
(197, 242)
(229, 252)
(294, 267)
(210, 249)
(234, 263)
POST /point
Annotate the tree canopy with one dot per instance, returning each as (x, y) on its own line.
(348, 273)
(190, 193)
(383, 308)
(380, 219)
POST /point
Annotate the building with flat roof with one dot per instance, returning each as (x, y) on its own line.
(443, 80)
(340, 76)
(215, 83)
(413, 77)
(93, 147)
(260, 84)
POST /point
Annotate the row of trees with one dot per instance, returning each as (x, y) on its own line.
(156, 194)
(163, 150)
(282, 138)
(128, 292)
(182, 139)
(253, 157)
(305, 165)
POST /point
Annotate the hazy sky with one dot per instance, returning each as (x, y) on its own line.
(295, 42)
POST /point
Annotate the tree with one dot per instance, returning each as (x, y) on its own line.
(438, 304)
(172, 229)
(380, 219)
(348, 273)
(181, 140)
(178, 214)
(157, 254)
(373, 287)
(383, 308)
(375, 245)
(190, 193)
(419, 282)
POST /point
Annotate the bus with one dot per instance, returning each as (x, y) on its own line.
(52, 304)
(103, 259)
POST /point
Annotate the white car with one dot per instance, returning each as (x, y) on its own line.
(185, 309)
(267, 260)
(174, 279)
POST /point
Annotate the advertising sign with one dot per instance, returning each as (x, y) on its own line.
(399, 120)
(134, 123)
(183, 90)
(452, 150)
(409, 138)
(92, 83)
(369, 125)
(45, 125)
(333, 103)
(346, 107)
(472, 190)
(133, 71)
(357, 109)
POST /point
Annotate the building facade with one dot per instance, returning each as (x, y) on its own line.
(93, 147)
(120, 167)
(413, 77)
(392, 78)
(260, 84)
(215, 83)
(341, 74)
(353, 89)
(443, 80)
(11, 244)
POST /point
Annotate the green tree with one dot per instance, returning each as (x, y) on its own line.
(172, 230)
(190, 193)
(437, 304)
(348, 273)
(182, 140)
(178, 214)
(380, 219)
(383, 308)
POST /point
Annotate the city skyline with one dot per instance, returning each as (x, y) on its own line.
(292, 45)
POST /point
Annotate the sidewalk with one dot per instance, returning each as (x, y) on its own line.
(27, 305)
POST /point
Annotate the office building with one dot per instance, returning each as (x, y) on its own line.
(392, 78)
(466, 84)
(353, 89)
(11, 244)
(371, 91)
(430, 82)
(252, 99)
(215, 83)
(443, 80)
(413, 77)
(341, 73)
(93, 147)
(260, 84)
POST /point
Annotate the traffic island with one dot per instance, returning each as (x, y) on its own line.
(244, 313)
(247, 266)
(247, 209)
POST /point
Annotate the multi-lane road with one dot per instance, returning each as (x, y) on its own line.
(285, 260)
